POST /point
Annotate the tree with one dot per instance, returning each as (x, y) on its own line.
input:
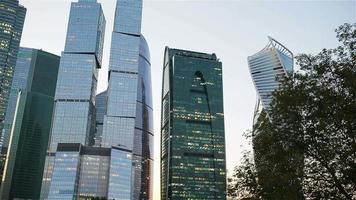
(244, 183)
(313, 114)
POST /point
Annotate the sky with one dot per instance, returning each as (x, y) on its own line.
(233, 29)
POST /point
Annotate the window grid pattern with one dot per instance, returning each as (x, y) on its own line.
(142, 169)
(192, 127)
(65, 176)
(122, 91)
(94, 176)
(86, 29)
(129, 96)
(74, 114)
(266, 67)
(118, 132)
(124, 52)
(19, 82)
(144, 81)
(120, 183)
(143, 144)
(144, 116)
(12, 17)
(47, 175)
(70, 123)
(76, 77)
(131, 24)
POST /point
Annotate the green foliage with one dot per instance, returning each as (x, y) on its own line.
(244, 183)
(312, 121)
(279, 165)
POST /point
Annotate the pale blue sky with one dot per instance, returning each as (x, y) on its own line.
(232, 29)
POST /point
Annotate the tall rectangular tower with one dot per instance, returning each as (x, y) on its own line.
(12, 17)
(19, 81)
(192, 127)
(30, 116)
(74, 112)
(127, 127)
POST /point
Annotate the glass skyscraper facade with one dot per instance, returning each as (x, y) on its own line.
(128, 123)
(19, 82)
(65, 175)
(74, 113)
(80, 172)
(12, 17)
(94, 172)
(28, 60)
(267, 68)
(102, 146)
(29, 117)
(192, 127)
(78, 74)
(273, 62)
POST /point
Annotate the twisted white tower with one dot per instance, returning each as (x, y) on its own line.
(272, 62)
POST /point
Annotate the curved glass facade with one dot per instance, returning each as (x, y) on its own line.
(128, 123)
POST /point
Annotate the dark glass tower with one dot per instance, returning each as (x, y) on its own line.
(12, 17)
(19, 82)
(192, 127)
(31, 108)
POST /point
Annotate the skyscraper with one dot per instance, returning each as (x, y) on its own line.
(26, 61)
(273, 62)
(29, 116)
(12, 17)
(74, 115)
(19, 82)
(128, 125)
(192, 127)
(267, 67)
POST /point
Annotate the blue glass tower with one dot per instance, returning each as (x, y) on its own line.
(128, 125)
(74, 115)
